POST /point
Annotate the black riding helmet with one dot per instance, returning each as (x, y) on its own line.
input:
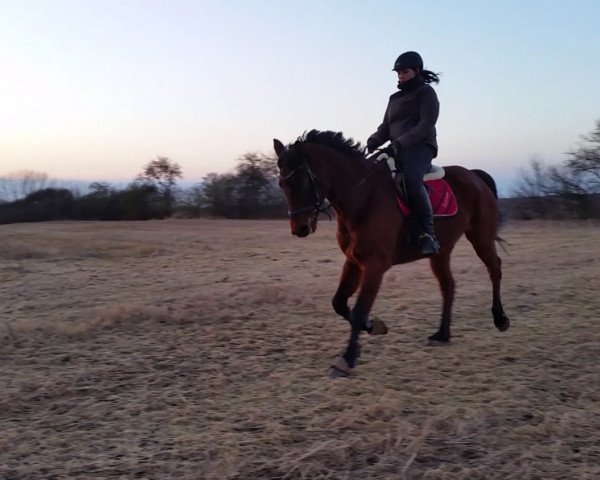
(408, 60)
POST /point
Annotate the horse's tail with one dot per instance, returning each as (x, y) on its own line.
(489, 181)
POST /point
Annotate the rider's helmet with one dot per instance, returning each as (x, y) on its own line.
(408, 60)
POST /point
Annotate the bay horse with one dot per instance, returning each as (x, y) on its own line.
(324, 166)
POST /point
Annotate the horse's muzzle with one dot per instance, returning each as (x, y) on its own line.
(301, 231)
(304, 228)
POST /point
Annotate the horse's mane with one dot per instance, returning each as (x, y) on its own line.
(334, 140)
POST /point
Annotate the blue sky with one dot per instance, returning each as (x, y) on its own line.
(93, 90)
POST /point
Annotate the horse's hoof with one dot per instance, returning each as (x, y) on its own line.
(378, 327)
(338, 368)
(437, 343)
(503, 327)
(335, 373)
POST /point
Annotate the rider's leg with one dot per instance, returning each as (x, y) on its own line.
(416, 161)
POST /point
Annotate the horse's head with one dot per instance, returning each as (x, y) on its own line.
(305, 200)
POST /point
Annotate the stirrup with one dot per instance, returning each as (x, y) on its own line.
(429, 244)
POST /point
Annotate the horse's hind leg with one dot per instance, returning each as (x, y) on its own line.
(440, 264)
(486, 251)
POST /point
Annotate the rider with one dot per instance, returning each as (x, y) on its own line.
(409, 124)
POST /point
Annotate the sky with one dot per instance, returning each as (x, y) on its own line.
(92, 90)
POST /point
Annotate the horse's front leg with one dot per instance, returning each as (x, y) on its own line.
(372, 275)
(349, 282)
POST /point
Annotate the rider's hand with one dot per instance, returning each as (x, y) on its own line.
(372, 144)
(393, 150)
(396, 149)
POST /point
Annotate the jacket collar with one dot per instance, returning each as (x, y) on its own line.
(412, 84)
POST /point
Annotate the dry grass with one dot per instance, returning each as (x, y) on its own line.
(198, 349)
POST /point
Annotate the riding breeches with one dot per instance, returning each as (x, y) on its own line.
(415, 162)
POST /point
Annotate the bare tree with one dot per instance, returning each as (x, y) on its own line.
(533, 180)
(258, 162)
(584, 161)
(551, 191)
(16, 185)
(191, 199)
(163, 174)
(251, 192)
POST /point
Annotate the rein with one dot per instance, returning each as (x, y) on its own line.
(376, 163)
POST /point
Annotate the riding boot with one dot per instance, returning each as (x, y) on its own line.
(399, 176)
(399, 182)
(422, 208)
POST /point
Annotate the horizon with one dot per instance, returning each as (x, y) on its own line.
(505, 186)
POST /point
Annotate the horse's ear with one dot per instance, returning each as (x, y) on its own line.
(278, 146)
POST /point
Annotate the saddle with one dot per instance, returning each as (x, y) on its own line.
(441, 196)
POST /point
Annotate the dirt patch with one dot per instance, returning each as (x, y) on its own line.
(198, 349)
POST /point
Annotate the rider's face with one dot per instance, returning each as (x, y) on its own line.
(406, 74)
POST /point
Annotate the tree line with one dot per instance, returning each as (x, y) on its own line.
(568, 190)
(249, 192)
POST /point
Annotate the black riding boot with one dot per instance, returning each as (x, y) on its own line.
(399, 182)
(422, 209)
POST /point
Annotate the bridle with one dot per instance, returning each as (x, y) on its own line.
(320, 203)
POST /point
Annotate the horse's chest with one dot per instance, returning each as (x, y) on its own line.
(354, 256)
(352, 252)
(349, 246)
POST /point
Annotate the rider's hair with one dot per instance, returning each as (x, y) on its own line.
(429, 76)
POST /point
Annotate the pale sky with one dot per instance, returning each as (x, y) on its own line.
(94, 89)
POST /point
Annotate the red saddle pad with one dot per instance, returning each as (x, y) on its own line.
(443, 201)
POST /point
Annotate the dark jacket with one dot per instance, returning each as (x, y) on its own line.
(410, 117)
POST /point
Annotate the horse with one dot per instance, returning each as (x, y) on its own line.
(323, 169)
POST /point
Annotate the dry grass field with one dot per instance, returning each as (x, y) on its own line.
(199, 350)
